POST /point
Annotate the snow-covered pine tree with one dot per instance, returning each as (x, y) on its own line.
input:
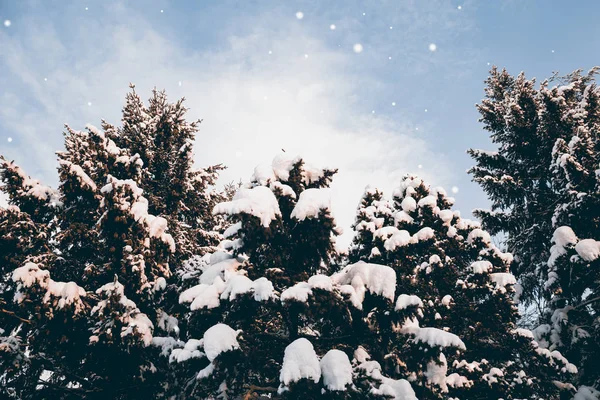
(373, 213)
(516, 177)
(571, 322)
(525, 124)
(175, 189)
(543, 183)
(463, 284)
(24, 229)
(30, 195)
(294, 218)
(270, 317)
(88, 265)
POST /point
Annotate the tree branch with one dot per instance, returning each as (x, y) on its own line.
(253, 388)
(585, 303)
(12, 314)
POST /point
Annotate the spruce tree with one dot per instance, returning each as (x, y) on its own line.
(570, 321)
(25, 227)
(373, 213)
(88, 272)
(290, 322)
(163, 139)
(292, 202)
(463, 285)
(543, 183)
(525, 124)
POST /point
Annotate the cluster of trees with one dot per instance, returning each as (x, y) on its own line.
(137, 278)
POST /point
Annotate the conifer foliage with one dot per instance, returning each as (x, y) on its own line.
(290, 322)
(460, 280)
(424, 309)
(137, 279)
(543, 181)
(85, 268)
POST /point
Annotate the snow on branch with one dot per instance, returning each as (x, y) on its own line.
(299, 362)
(361, 276)
(432, 336)
(311, 203)
(61, 295)
(259, 202)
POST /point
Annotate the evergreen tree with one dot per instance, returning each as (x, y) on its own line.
(525, 123)
(543, 183)
(163, 139)
(87, 273)
(463, 285)
(25, 227)
(373, 213)
(289, 324)
(284, 212)
(571, 321)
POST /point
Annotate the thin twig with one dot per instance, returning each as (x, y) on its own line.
(12, 314)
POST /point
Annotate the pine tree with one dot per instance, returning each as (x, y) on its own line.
(292, 324)
(29, 195)
(164, 141)
(284, 212)
(570, 322)
(91, 266)
(462, 284)
(525, 123)
(25, 227)
(373, 213)
(543, 183)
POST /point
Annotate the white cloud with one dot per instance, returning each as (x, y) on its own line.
(253, 104)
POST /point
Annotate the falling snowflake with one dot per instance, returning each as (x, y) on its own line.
(358, 48)
(299, 15)
(7, 23)
(89, 103)
(270, 52)
(86, 9)
(391, 27)
(45, 79)
(179, 83)
(394, 103)
(364, 14)
(459, 7)
(420, 166)
(9, 139)
(454, 189)
(432, 47)
(553, 51)
(425, 110)
(390, 57)
(332, 27)
(306, 56)
(372, 111)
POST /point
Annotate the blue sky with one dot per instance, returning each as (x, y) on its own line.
(263, 80)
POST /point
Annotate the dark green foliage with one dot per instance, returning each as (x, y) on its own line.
(87, 272)
(463, 282)
(283, 235)
(544, 187)
(289, 249)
